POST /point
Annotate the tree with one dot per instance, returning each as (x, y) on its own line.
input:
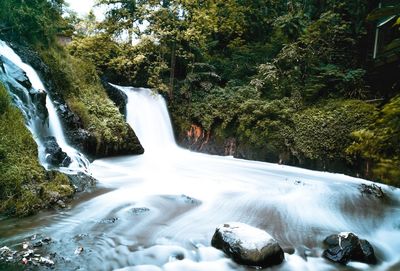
(121, 17)
(36, 21)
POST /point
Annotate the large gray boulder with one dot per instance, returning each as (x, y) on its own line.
(247, 245)
(346, 246)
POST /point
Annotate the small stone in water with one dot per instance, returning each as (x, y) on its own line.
(46, 261)
(108, 220)
(79, 250)
(139, 210)
(37, 244)
(46, 239)
(61, 204)
(28, 253)
(25, 245)
(4, 250)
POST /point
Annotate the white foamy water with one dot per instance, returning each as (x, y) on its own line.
(164, 206)
(35, 125)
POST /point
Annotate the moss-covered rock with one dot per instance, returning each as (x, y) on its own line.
(25, 186)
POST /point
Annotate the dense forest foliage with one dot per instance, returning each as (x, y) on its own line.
(292, 79)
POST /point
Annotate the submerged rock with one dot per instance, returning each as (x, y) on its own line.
(46, 261)
(82, 182)
(247, 245)
(55, 155)
(46, 239)
(78, 250)
(346, 246)
(139, 210)
(108, 220)
(6, 253)
(372, 189)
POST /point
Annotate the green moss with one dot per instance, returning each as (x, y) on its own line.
(79, 85)
(23, 180)
(323, 132)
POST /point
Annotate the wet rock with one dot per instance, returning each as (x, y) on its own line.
(368, 254)
(371, 189)
(139, 210)
(82, 139)
(247, 245)
(46, 239)
(70, 119)
(190, 200)
(78, 250)
(109, 220)
(39, 99)
(2, 66)
(29, 56)
(15, 72)
(46, 261)
(37, 244)
(82, 182)
(6, 252)
(55, 155)
(345, 247)
(117, 96)
(81, 236)
(28, 253)
(288, 250)
(61, 204)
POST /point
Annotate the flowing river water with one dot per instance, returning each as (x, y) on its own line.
(158, 211)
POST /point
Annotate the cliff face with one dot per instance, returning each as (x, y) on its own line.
(200, 140)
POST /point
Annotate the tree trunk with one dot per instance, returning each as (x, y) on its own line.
(172, 71)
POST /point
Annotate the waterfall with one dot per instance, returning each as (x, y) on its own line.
(187, 194)
(22, 98)
(154, 131)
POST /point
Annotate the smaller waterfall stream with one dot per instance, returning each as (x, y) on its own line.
(154, 131)
(38, 126)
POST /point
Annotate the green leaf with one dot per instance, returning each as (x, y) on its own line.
(397, 22)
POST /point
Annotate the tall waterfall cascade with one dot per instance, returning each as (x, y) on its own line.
(22, 97)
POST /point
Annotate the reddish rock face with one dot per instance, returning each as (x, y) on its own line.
(201, 140)
(196, 133)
